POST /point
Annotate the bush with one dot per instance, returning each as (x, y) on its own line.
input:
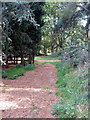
(75, 55)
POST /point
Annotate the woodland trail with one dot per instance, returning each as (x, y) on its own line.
(28, 96)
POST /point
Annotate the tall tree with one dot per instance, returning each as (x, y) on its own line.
(24, 23)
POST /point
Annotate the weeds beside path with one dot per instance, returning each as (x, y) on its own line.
(31, 95)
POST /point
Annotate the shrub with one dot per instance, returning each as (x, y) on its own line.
(75, 55)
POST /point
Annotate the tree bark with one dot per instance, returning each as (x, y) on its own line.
(22, 57)
(29, 59)
(7, 47)
(14, 59)
(33, 57)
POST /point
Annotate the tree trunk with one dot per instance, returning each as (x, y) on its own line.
(52, 48)
(14, 59)
(60, 40)
(57, 48)
(7, 47)
(45, 51)
(22, 57)
(33, 57)
(29, 59)
(22, 60)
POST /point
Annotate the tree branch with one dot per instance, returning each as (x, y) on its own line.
(84, 8)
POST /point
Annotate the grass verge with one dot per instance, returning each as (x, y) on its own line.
(72, 89)
(17, 71)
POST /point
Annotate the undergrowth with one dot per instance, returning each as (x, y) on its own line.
(72, 89)
(17, 71)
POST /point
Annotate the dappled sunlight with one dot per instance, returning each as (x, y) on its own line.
(31, 94)
(7, 105)
(14, 98)
(24, 89)
(31, 89)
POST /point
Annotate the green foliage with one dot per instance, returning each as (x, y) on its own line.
(4, 74)
(17, 71)
(16, 75)
(18, 20)
(40, 63)
(72, 88)
(7, 87)
(73, 54)
(34, 107)
(48, 88)
(55, 63)
(67, 17)
(56, 54)
(30, 67)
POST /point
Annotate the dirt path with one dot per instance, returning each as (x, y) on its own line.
(28, 96)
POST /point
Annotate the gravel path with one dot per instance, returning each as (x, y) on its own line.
(28, 96)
